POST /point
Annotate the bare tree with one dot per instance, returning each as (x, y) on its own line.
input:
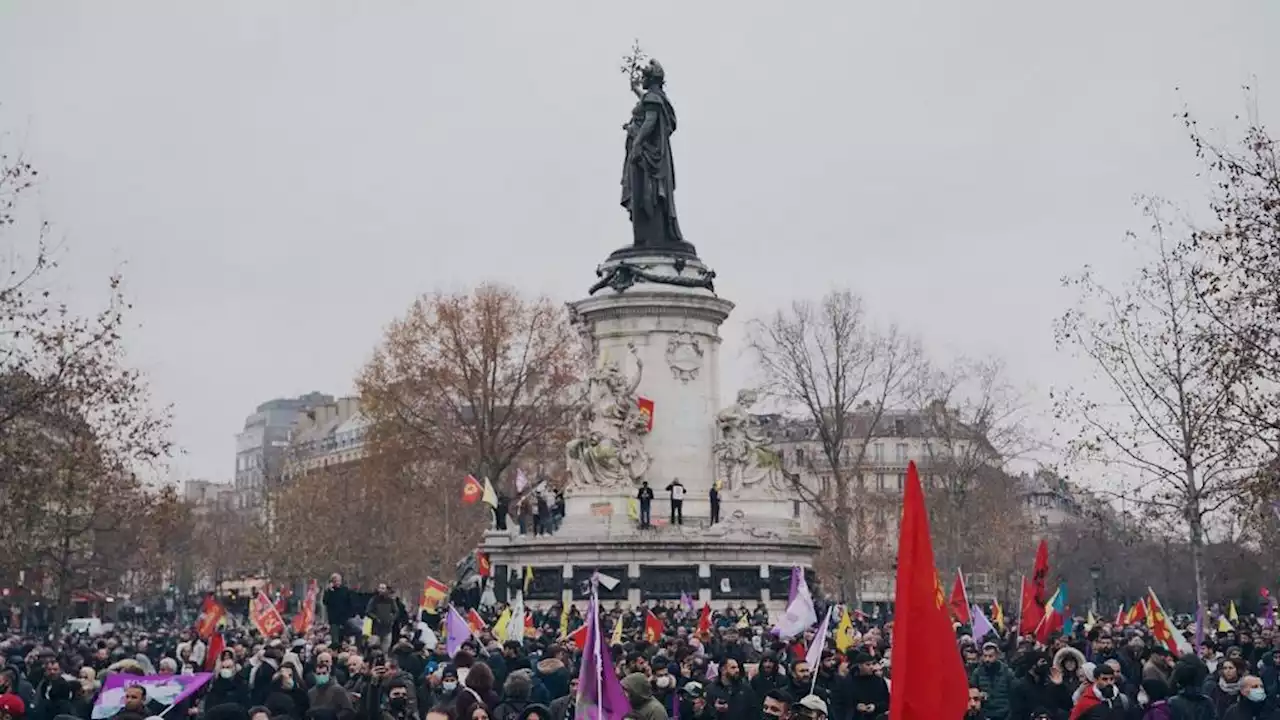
(831, 369)
(1162, 409)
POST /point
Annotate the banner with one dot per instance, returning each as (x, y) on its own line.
(162, 691)
(211, 613)
(265, 616)
(307, 614)
(434, 592)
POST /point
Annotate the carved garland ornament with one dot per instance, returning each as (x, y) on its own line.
(684, 356)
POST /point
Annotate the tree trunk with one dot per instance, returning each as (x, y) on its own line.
(1195, 523)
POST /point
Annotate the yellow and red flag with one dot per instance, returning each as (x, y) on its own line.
(483, 566)
(475, 622)
(646, 409)
(434, 592)
(472, 490)
(997, 615)
(925, 654)
(1162, 628)
(211, 613)
(1137, 613)
(653, 628)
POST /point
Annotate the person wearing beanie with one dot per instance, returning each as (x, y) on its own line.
(1042, 688)
(1190, 701)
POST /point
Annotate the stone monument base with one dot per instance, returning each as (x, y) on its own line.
(726, 564)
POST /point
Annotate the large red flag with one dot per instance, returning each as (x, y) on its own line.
(1035, 595)
(960, 599)
(653, 628)
(704, 619)
(211, 613)
(925, 654)
(216, 646)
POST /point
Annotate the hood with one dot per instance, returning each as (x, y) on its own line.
(637, 685)
(549, 666)
(518, 686)
(1067, 652)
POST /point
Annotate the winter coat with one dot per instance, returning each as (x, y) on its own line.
(996, 680)
(643, 706)
(227, 690)
(1158, 710)
(867, 690)
(1030, 694)
(1245, 710)
(1191, 704)
(333, 697)
(553, 675)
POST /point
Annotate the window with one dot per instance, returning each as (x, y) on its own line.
(879, 452)
(826, 484)
(900, 452)
(862, 481)
(901, 480)
(1044, 521)
(928, 450)
(795, 508)
(799, 456)
(879, 481)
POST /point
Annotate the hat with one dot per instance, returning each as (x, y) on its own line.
(991, 645)
(12, 705)
(859, 658)
(693, 689)
(814, 703)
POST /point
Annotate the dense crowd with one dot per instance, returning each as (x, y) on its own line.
(734, 667)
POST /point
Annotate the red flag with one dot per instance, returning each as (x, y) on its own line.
(925, 654)
(704, 619)
(472, 490)
(1040, 575)
(646, 409)
(1137, 613)
(475, 622)
(1119, 616)
(483, 566)
(307, 613)
(653, 627)
(265, 617)
(216, 646)
(211, 613)
(579, 637)
(960, 599)
(1035, 596)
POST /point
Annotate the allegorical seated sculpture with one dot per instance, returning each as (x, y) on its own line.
(608, 451)
(743, 457)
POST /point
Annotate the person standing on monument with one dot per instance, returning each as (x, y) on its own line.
(645, 496)
(715, 502)
(676, 488)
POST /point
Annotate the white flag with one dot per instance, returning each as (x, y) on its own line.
(800, 615)
(819, 641)
(608, 581)
(515, 626)
(522, 482)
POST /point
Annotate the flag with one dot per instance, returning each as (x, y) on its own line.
(483, 567)
(646, 409)
(981, 625)
(1269, 619)
(600, 694)
(211, 613)
(997, 615)
(578, 637)
(366, 627)
(515, 628)
(704, 619)
(282, 604)
(1223, 625)
(472, 490)
(844, 632)
(800, 615)
(1120, 616)
(1231, 612)
(925, 654)
(528, 577)
(744, 622)
(617, 632)
(1035, 596)
(307, 613)
(653, 628)
(564, 619)
(608, 581)
(1137, 613)
(216, 645)
(633, 509)
(960, 599)
(686, 602)
(1090, 620)
(1055, 614)
(490, 497)
(1162, 628)
(434, 592)
(1199, 641)
(456, 630)
(475, 622)
(522, 481)
(266, 618)
(797, 577)
(814, 654)
(500, 625)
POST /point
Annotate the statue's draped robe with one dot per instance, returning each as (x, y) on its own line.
(649, 183)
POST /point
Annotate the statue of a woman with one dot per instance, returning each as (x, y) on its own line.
(648, 173)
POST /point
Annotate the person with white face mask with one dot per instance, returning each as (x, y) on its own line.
(1253, 703)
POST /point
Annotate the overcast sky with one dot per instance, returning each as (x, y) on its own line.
(277, 180)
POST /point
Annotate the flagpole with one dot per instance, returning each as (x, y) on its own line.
(595, 602)
(1022, 588)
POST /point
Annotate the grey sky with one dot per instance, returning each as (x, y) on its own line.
(279, 179)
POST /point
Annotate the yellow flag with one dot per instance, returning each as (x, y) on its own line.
(617, 632)
(367, 628)
(490, 497)
(1090, 621)
(1223, 625)
(500, 625)
(844, 632)
(564, 621)
(743, 623)
(528, 577)
(633, 509)
(1231, 612)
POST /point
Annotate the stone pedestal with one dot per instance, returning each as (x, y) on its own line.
(657, 315)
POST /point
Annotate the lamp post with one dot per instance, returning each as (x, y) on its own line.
(1095, 574)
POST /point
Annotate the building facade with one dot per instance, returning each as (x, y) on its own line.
(327, 435)
(262, 447)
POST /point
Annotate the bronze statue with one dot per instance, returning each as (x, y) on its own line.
(648, 173)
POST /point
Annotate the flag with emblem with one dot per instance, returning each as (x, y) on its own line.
(646, 409)
(653, 627)
(997, 615)
(472, 490)
(1162, 628)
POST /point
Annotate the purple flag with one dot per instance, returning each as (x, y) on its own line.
(600, 694)
(456, 631)
(795, 584)
(1269, 620)
(686, 602)
(981, 625)
(165, 690)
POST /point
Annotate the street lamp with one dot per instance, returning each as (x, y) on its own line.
(1095, 574)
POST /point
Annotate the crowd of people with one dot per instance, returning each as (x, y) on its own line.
(735, 669)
